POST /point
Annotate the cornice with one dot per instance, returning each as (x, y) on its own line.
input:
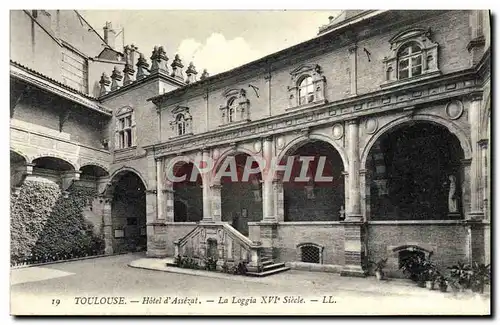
(43, 82)
(410, 95)
(159, 75)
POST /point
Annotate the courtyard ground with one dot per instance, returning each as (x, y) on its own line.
(85, 287)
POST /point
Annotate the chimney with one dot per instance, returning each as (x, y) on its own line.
(109, 35)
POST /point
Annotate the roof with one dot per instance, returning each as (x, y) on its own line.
(264, 60)
(36, 78)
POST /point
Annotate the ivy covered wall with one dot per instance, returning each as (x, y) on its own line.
(48, 225)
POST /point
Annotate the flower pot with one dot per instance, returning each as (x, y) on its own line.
(421, 284)
(429, 285)
(379, 275)
(443, 287)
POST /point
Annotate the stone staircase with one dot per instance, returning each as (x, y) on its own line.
(269, 267)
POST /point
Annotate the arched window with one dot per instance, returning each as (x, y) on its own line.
(231, 109)
(181, 124)
(306, 90)
(409, 61)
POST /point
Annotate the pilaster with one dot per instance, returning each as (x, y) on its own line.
(475, 167)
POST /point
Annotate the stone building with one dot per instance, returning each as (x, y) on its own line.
(397, 101)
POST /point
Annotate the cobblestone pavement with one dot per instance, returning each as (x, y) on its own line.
(58, 288)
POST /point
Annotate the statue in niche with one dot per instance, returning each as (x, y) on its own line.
(452, 197)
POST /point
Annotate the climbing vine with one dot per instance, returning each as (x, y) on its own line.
(48, 225)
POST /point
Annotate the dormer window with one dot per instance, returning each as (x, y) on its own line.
(181, 121)
(308, 86)
(413, 56)
(409, 61)
(306, 90)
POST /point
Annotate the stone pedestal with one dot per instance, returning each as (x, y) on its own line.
(268, 237)
(354, 252)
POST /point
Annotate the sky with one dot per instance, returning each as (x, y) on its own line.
(212, 40)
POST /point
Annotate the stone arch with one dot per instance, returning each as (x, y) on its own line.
(20, 153)
(399, 122)
(314, 199)
(48, 155)
(126, 217)
(232, 152)
(93, 163)
(124, 169)
(301, 140)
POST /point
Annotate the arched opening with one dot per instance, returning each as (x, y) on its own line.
(53, 170)
(92, 172)
(188, 196)
(52, 163)
(315, 189)
(241, 195)
(416, 174)
(128, 213)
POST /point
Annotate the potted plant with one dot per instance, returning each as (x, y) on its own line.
(460, 275)
(480, 275)
(378, 268)
(442, 283)
(416, 267)
(432, 277)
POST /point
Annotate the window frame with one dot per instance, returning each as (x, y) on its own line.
(314, 87)
(125, 129)
(409, 58)
(308, 87)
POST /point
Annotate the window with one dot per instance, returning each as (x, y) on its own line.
(181, 121)
(310, 253)
(308, 86)
(125, 128)
(236, 107)
(125, 132)
(231, 114)
(181, 124)
(306, 91)
(412, 54)
(409, 61)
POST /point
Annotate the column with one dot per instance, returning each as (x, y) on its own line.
(365, 181)
(205, 177)
(354, 70)
(354, 202)
(484, 176)
(267, 183)
(354, 226)
(159, 190)
(216, 206)
(475, 168)
(169, 202)
(279, 199)
(485, 200)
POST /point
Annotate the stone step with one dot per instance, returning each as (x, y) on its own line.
(270, 272)
(272, 266)
(267, 262)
